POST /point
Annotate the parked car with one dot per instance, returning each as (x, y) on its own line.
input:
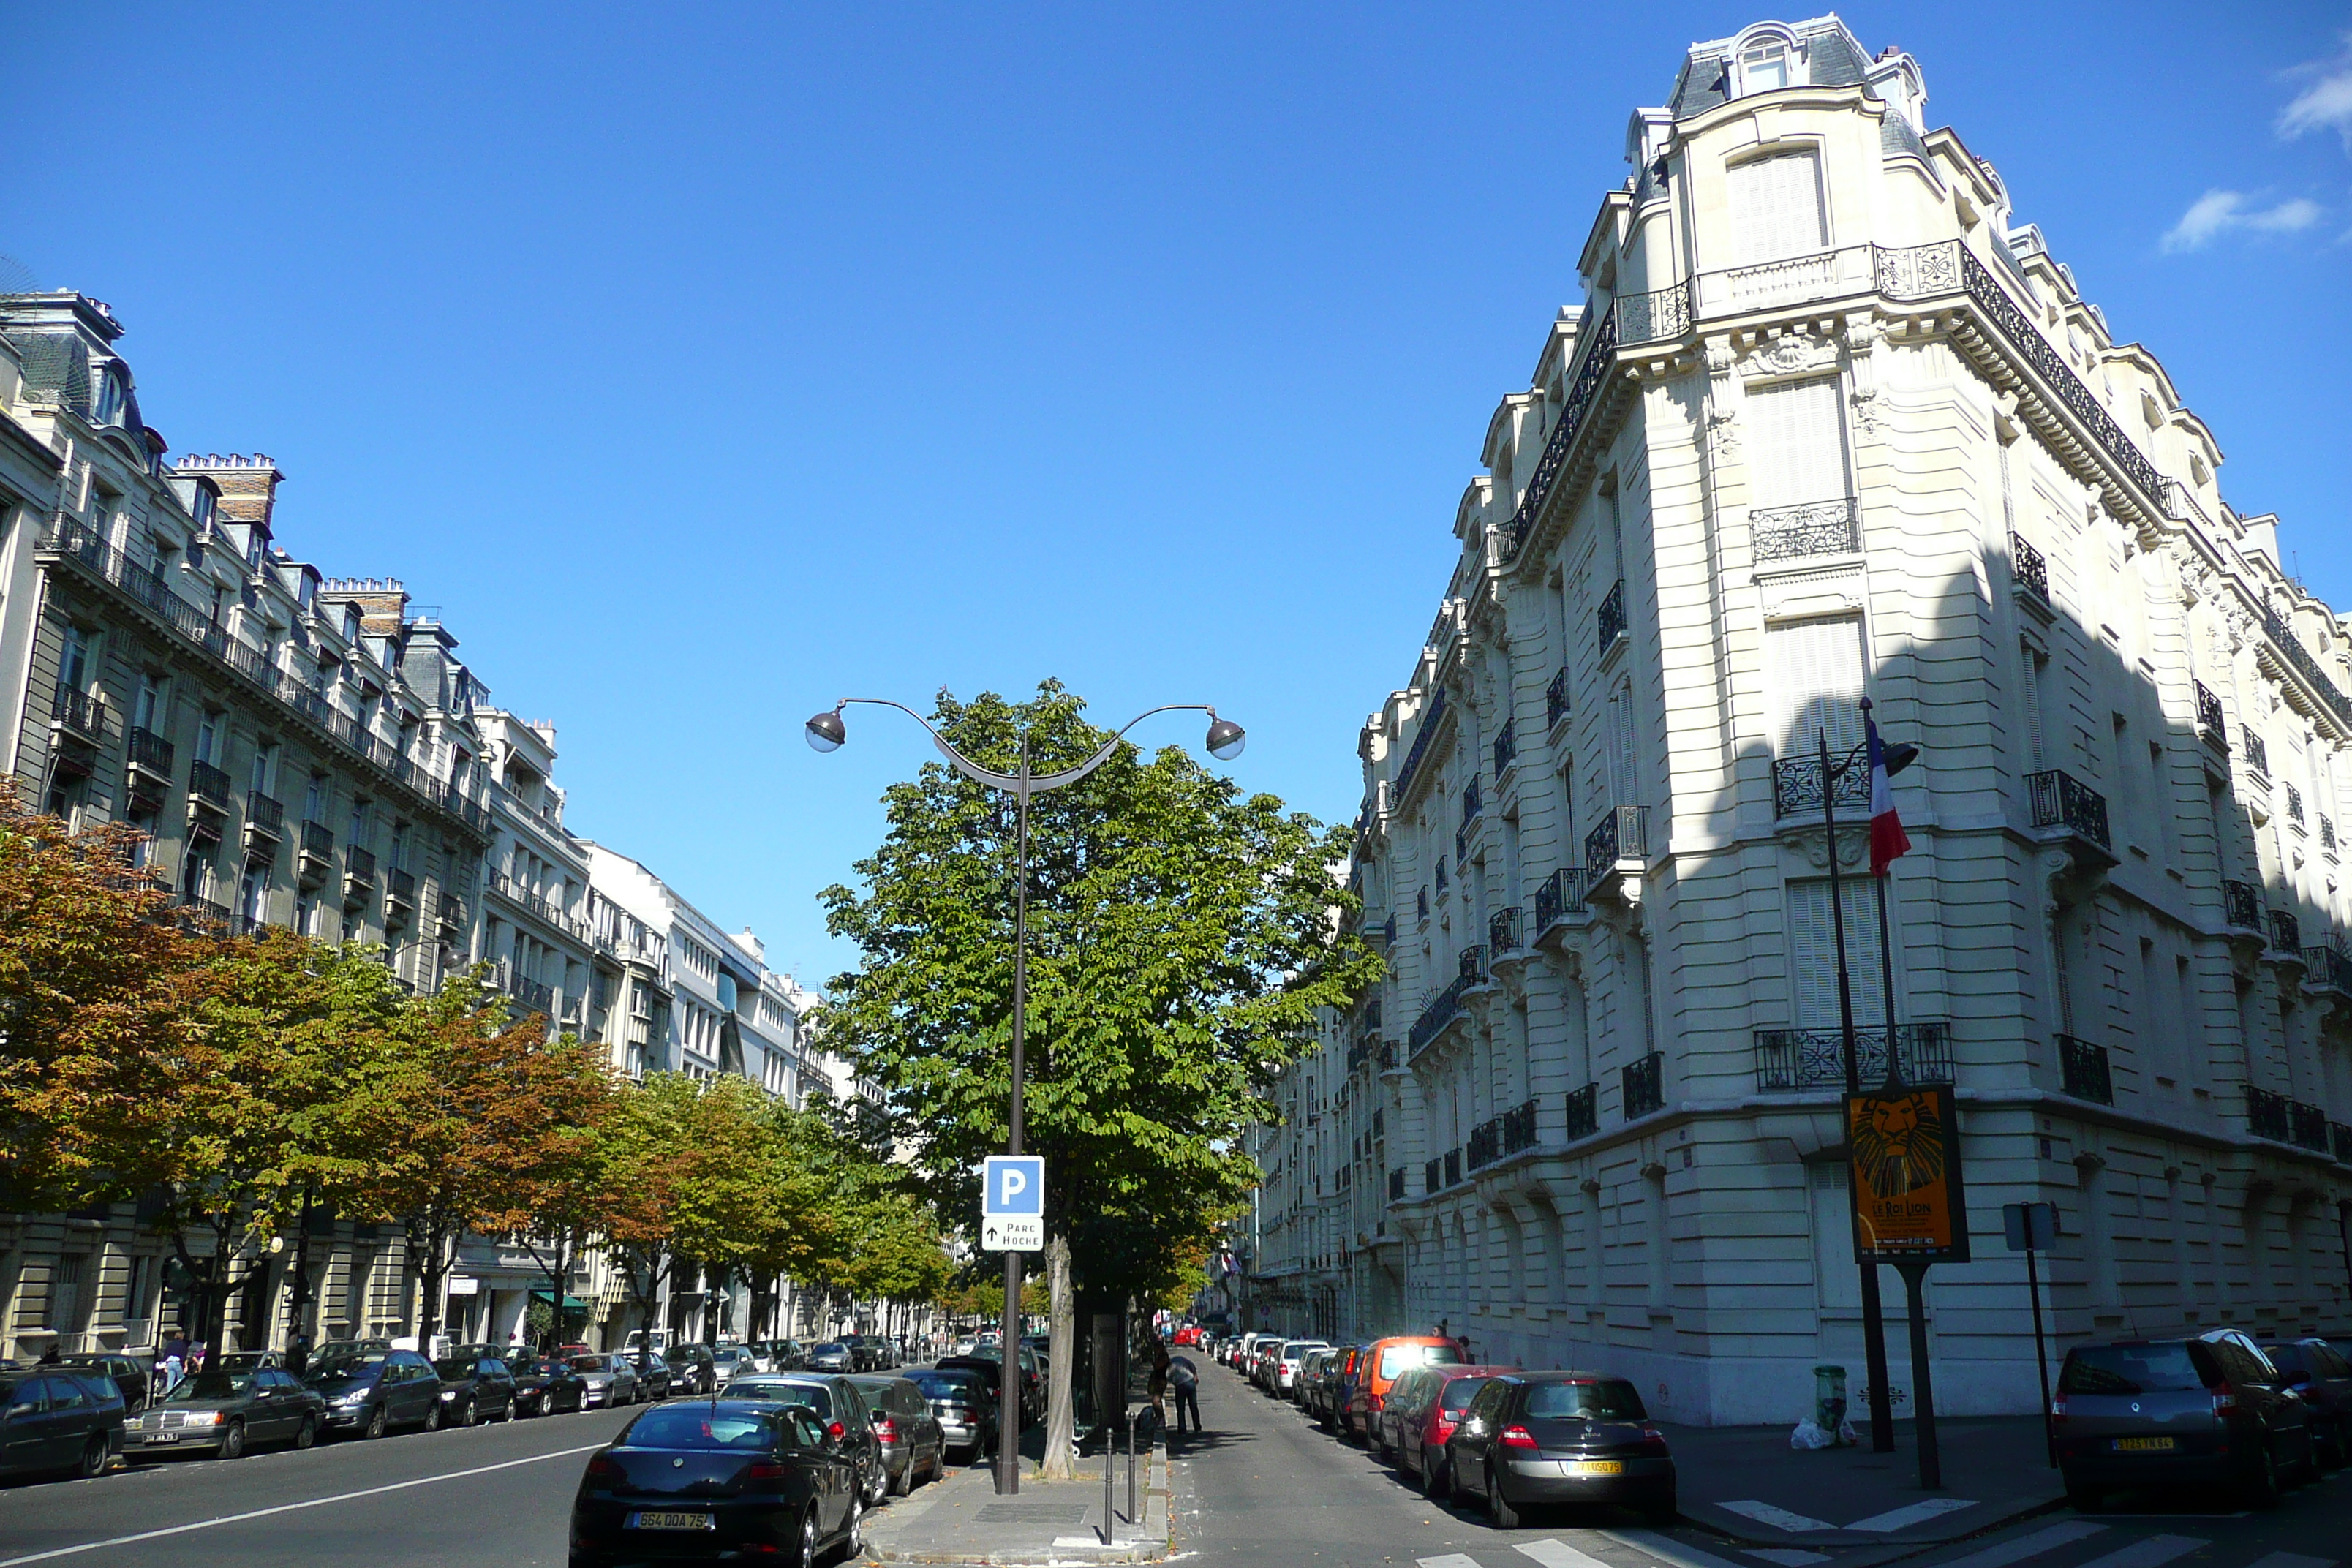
(837, 1403)
(224, 1413)
(64, 1421)
(373, 1392)
(1189, 1335)
(988, 1366)
(610, 1380)
(547, 1385)
(655, 1378)
(692, 1370)
(833, 1355)
(1310, 1368)
(2318, 1372)
(1541, 1437)
(729, 1360)
(242, 1361)
(1286, 1362)
(778, 1355)
(1423, 1408)
(964, 1405)
(1339, 1379)
(475, 1388)
(737, 1478)
(1384, 1362)
(130, 1380)
(914, 1445)
(2136, 1413)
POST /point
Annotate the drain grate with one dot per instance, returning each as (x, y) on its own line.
(1032, 1513)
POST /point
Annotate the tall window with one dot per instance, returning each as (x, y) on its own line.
(146, 709)
(208, 739)
(314, 799)
(1776, 208)
(265, 758)
(356, 832)
(2037, 740)
(1813, 953)
(1624, 789)
(75, 660)
(1796, 448)
(1815, 670)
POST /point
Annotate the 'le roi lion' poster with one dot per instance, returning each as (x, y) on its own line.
(1908, 1202)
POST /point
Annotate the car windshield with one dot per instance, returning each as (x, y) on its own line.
(2286, 1358)
(700, 1427)
(210, 1386)
(834, 1347)
(947, 1386)
(1612, 1399)
(808, 1397)
(354, 1367)
(593, 1363)
(1394, 1359)
(2129, 1369)
(454, 1368)
(544, 1368)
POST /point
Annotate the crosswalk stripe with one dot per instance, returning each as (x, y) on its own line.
(2151, 1552)
(1916, 1513)
(1777, 1518)
(1450, 1560)
(1665, 1549)
(2291, 1560)
(1553, 1552)
(2001, 1554)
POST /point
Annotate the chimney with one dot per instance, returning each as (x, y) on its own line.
(248, 486)
(382, 602)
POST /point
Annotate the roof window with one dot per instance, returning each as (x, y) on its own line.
(1769, 58)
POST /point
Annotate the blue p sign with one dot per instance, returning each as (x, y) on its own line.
(1013, 1184)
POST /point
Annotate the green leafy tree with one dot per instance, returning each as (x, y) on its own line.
(1183, 935)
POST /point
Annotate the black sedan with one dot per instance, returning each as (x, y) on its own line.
(130, 1380)
(222, 1414)
(474, 1389)
(61, 1421)
(545, 1385)
(373, 1390)
(692, 1369)
(726, 1479)
(1541, 1437)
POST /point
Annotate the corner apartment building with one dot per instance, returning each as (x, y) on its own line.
(1829, 422)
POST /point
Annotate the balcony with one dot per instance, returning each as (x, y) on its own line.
(1486, 1144)
(200, 912)
(1790, 1060)
(1432, 1176)
(400, 894)
(148, 753)
(2341, 1135)
(1644, 1084)
(1430, 715)
(2286, 932)
(1621, 840)
(264, 818)
(1609, 621)
(1452, 1166)
(1559, 894)
(1507, 750)
(1583, 1112)
(2325, 969)
(2027, 569)
(359, 873)
(2062, 801)
(2083, 1070)
(2242, 907)
(2307, 1126)
(1797, 790)
(208, 787)
(2326, 834)
(1519, 1127)
(532, 995)
(1503, 931)
(451, 914)
(1443, 1009)
(2211, 726)
(1815, 528)
(317, 848)
(79, 713)
(2257, 756)
(2294, 804)
(1396, 1185)
(2266, 1115)
(1556, 700)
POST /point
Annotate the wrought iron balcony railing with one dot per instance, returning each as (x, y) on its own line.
(2257, 756)
(1556, 700)
(1645, 1080)
(2209, 721)
(318, 842)
(2027, 566)
(1557, 894)
(2307, 1126)
(1432, 1176)
(2083, 1070)
(1452, 1166)
(1474, 965)
(2059, 800)
(358, 867)
(1427, 728)
(1503, 931)
(208, 785)
(2340, 1135)
(1815, 528)
(80, 712)
(2294, 804)
(1506, 749)
(1396, 1185)
(1609, 621)
(400, 888)
(2266, 1115)
(263, 815)
(1583, 1112)
(1797, 789)
(2286, 932)
(1443, 1009)
(451, 913)
(1624, 834)
(1793, 1059)
(145, 749)
(1519, 1127)
(2242, 906)
(2325, 969)
(2327, 832)
(1486, 1144)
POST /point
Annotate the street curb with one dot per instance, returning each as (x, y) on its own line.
(1155, 1550)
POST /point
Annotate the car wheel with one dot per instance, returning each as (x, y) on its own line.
(433, 1417)
(232, 1442)
(376, 1423)
(807, 1558)
(473, 1417)
(2263, 1486)
(92, 1462)
(853, 1537)
(1435, 1484)
(307, 1433)
(1499, 1511)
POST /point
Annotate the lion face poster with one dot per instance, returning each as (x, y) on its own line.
(1905, 1150)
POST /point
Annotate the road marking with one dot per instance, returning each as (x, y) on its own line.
(2001, 1554)
(1787, 1556)
(1777, 1518)
(1553, 1552)
(1664, 1548)
(291, 1507)
(2291, 1560)
(1916, 1513)
(1450, 1560)
(2153, 1551)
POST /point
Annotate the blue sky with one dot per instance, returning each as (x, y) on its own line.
(705, 364)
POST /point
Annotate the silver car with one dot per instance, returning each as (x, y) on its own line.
(610, 1380)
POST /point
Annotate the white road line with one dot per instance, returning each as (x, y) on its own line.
(1916, 1513)
(2152, 1551)
(1777, 1518)
(1450, 1560)
(291, 1508)
(1787, 1556)
(2291, 1560)
(2000, 1555)
(1553, 1552)
(1664, 1548)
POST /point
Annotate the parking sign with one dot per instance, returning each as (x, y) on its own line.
(1012, 1203)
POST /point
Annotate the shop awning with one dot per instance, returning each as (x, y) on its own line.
(571, 1303)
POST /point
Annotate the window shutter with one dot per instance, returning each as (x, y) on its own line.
(1621, 783)
(1776, 208)
(1813, 955)
(1815, 670)
(2037, 748)
(1796, 447)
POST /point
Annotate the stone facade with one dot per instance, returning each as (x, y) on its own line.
(1829, 423)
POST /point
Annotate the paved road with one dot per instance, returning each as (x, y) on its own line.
(1264, 1487)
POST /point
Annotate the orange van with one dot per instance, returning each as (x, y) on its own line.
(1384, 1361)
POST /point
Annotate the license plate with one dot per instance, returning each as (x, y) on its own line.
(2143, 1444)
(157, 1437)
(650, 1520)
(1596, 1467)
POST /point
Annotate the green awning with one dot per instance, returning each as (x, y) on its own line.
(571, 1303)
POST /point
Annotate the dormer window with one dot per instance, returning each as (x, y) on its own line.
(352, 624)
(112, 397)
(200, 508)
(1767, 60)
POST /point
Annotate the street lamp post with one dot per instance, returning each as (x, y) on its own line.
(1224, 741)
(1873, 1315)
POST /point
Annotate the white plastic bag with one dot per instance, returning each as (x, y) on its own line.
(1809, 1434)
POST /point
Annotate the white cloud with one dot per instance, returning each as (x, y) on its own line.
(2326, 102)
(2219, 212)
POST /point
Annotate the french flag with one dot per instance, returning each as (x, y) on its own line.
(1888, 839)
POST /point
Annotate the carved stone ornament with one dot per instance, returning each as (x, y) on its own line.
(1789, 354)
(1723, 434)
(1866, 411)
(1854, 845)
(2240, 624)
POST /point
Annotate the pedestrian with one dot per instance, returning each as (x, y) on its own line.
(1158, 1384)
(298, 1354)
(1186, 1382)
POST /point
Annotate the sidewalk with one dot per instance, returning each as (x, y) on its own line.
(961, 1520)
(1747, 1483)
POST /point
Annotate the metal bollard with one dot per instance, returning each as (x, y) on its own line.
(1131, 1520)
(1110, 1450)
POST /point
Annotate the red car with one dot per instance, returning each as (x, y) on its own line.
(1190, 1334)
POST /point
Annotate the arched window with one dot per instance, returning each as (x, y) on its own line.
(112, 397)
(1768, 59)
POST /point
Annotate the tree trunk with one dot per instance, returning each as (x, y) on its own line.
(1062, 1351)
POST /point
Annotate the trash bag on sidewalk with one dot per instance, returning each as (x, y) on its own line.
(1809, 1434)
